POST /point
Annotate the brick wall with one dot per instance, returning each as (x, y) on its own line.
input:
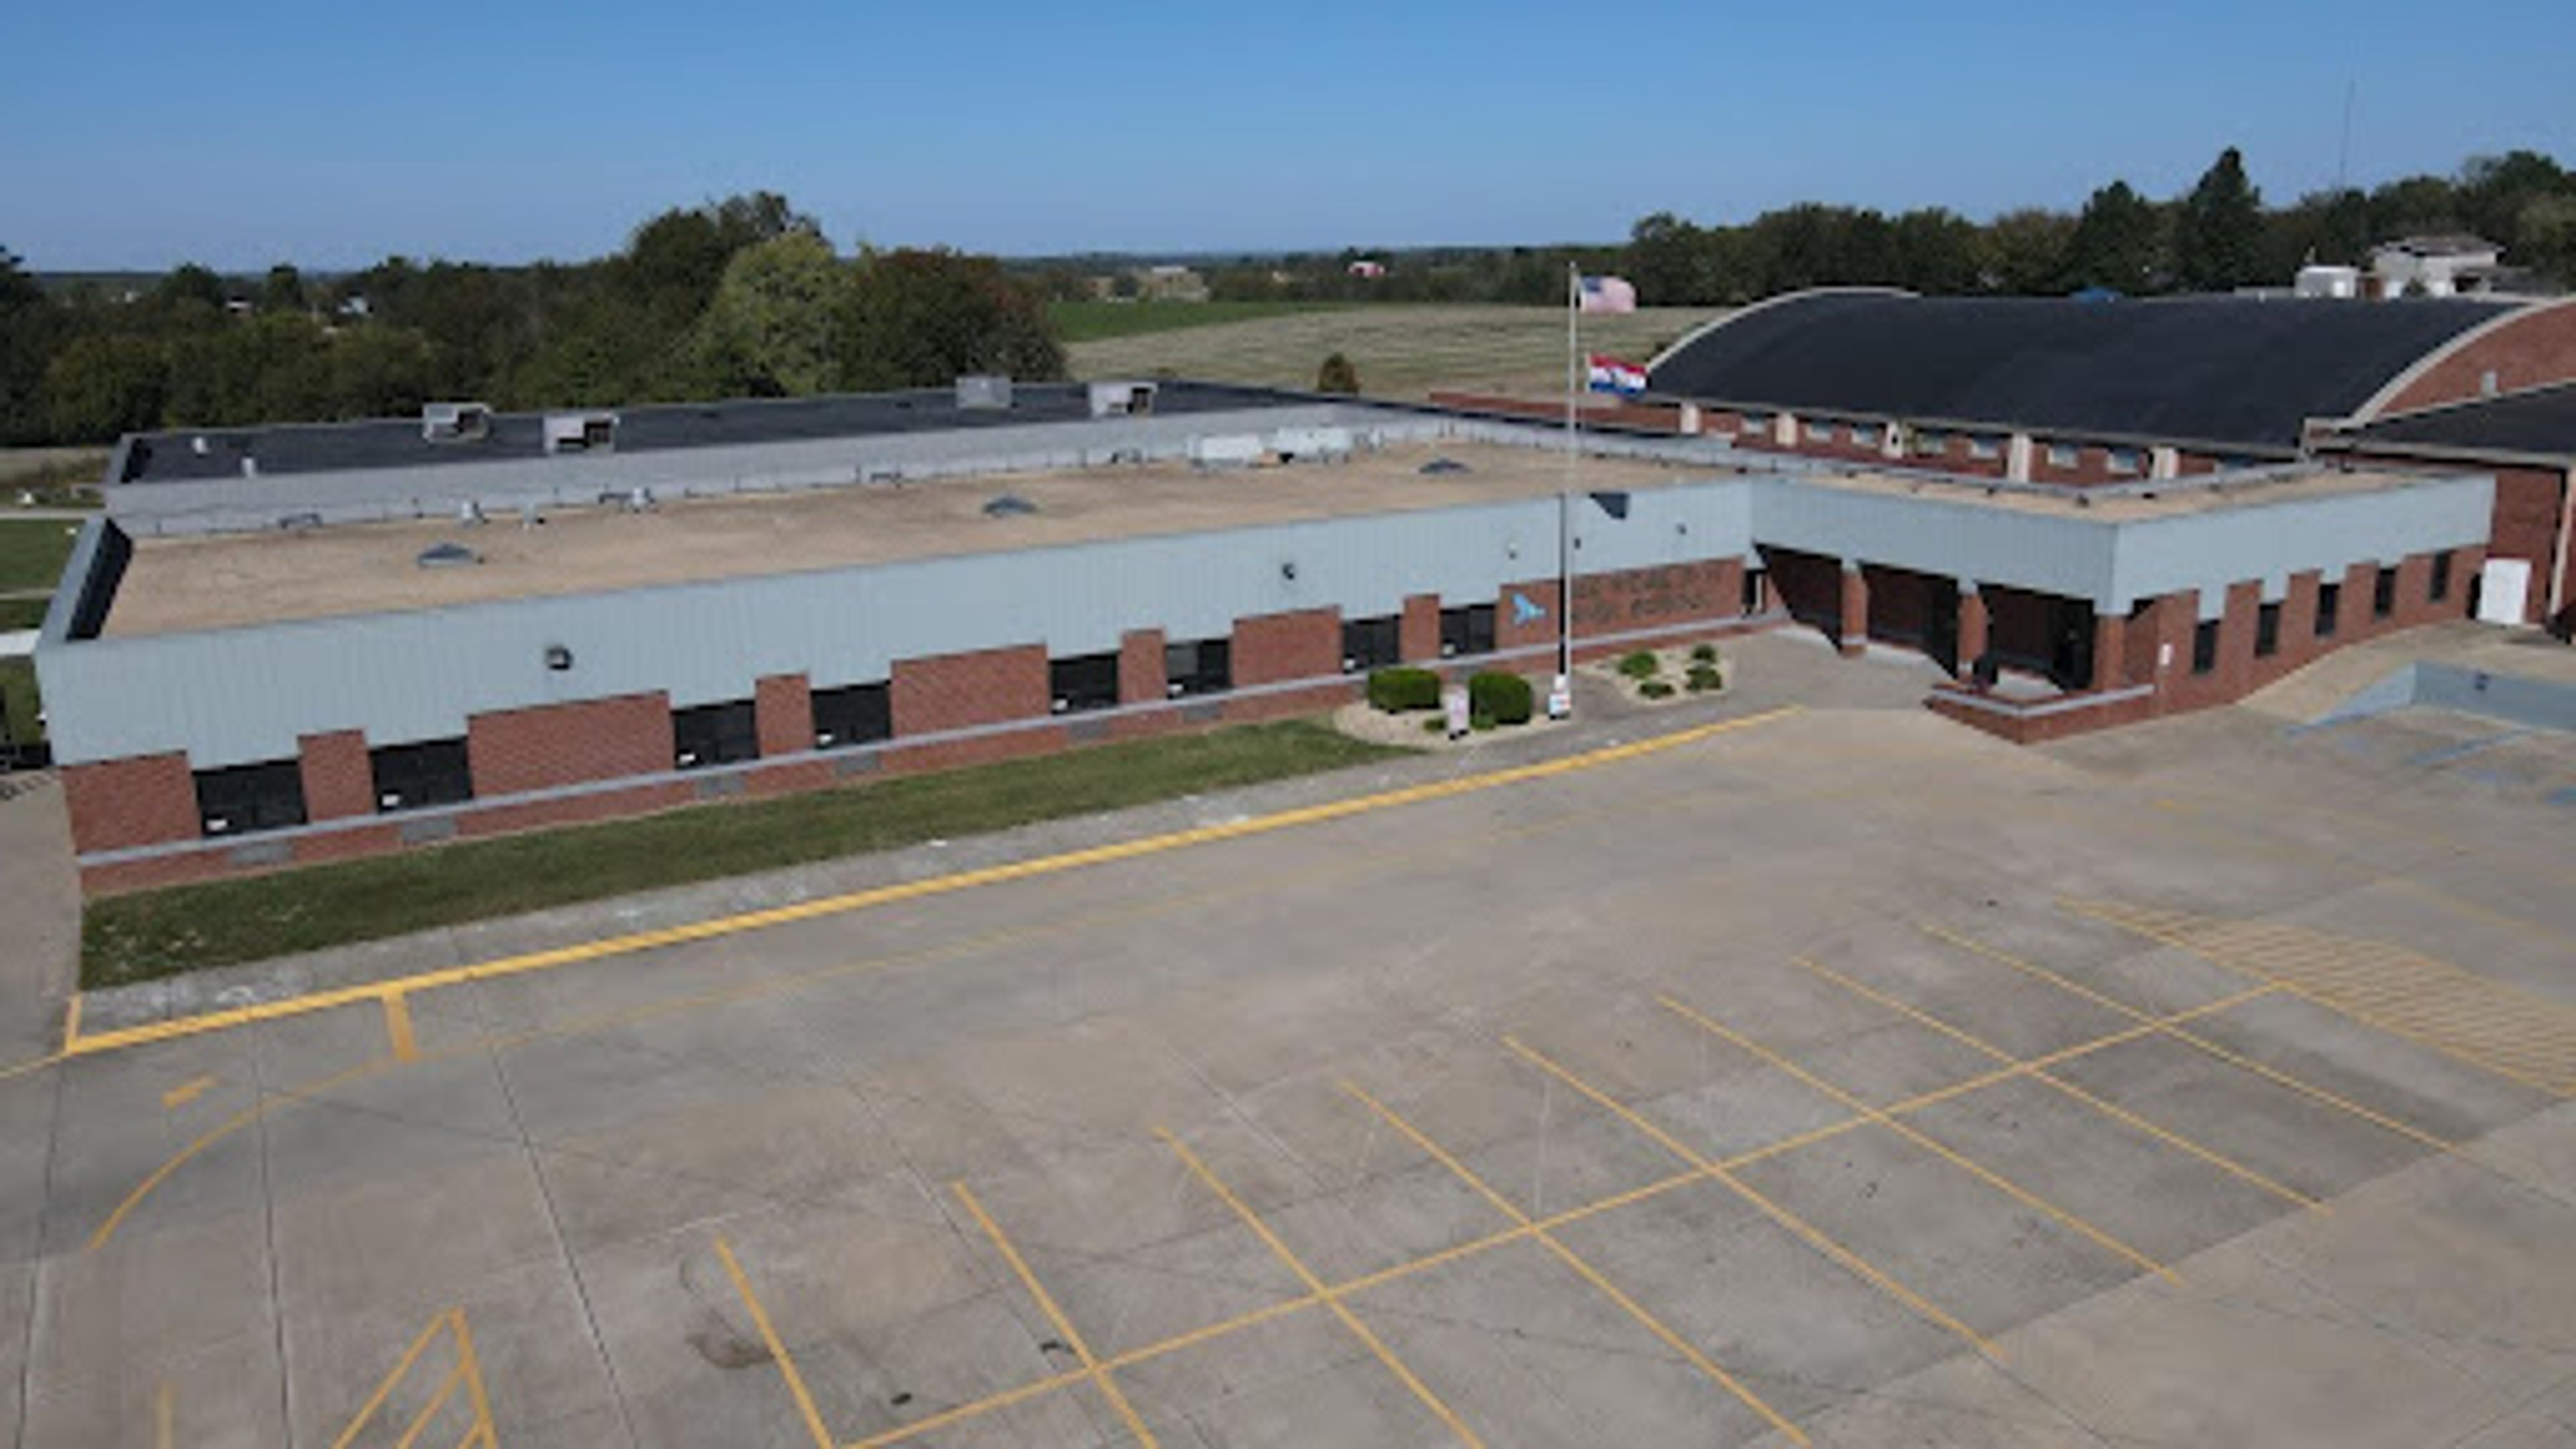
(1632, 599)
(1298, 645)
(782, 707)
(954, 691)
(2529, 351)
(1510, 631)
(1654, 417)
(338, 782)
(1141, 678)
(516, 750)
(115, 804)
(1418, 632)
(2530, 507)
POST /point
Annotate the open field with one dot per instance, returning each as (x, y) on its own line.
(33, 552)
(182, 928)
(1094, 321)
(19, 704)
(1401, 351)
(50, 468)
(1842, 1078)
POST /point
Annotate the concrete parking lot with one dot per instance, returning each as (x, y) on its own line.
(1840, 1077)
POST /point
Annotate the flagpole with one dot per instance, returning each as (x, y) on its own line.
(1565, 495)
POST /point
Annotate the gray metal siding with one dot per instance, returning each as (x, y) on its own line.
(237, 695)
(2271, 541)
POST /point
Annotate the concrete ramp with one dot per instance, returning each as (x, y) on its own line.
(2513, 676)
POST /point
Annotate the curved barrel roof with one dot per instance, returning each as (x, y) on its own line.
(2231, 371)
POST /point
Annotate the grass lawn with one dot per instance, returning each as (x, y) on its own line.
(1092, 321)
(18, 695)
(185, 928)
(17, 614)
(33, 551)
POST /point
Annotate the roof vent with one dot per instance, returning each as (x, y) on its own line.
(455, 422)
(580, 432)
(1438, 466)
(983, 392)
(1008, 505)
(447, 556)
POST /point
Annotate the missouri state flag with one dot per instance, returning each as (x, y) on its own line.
(1605, 294)
(1611, 374)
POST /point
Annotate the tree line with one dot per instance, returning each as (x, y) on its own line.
(738, 298)
(2217, 236)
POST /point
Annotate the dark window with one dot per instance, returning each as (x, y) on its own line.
(2204, 647)
(1085, 681)
(1199, 666)
(2329, 599)
(1372, 643)
(714, 734)
(854, 714)
(1752, 601)
(2441, 576)
(414, 777)
(2383, 594)
(2267, 631)
(245, 798)
(1468, 629)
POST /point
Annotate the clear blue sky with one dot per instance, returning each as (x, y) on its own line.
(139, 135)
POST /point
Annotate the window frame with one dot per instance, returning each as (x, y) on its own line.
(1469, 620)
(1361, 641)
(420, 775)
(2267, 629)
(721, 732)
(2204, 646)
(832, 714)
(278, 809)
(1075, 683)
(1211, 667)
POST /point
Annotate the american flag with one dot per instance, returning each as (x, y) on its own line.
(1607, 294)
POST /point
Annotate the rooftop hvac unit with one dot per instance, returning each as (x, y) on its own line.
(1329, 444)
(1121, 399)
(1229, 450)
(455, 422)
(580, 432)
(983, 392)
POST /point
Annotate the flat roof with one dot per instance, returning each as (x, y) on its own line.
(2197, 493)
(183, 584)
(195, 454)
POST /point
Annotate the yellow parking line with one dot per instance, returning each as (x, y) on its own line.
(2065, 1218)
(737, 924)
(184, 1093)
(777, 1351)
(1564, 1218)
(1814, 1236)
(2115, 1112)
(1331, 1298)
(162, 1417)
(2201, 1043)
(398, 1032)
(1099, 1376)
(1689, 1352)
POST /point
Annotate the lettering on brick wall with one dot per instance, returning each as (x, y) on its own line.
(1644, 596)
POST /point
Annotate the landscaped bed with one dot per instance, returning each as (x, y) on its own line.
(1404, 707)
(185, 928)
(1662, 676)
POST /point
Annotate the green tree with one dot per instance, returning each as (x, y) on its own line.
(2118, 243)
(922, 318)
(105, 384)
(283, 290)
(189, 286)
(31, 328)
(2218, 232)
(2023, 253)
(768, 332)
(2547, 228)
(1337, 375)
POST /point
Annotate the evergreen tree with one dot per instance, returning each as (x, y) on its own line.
(2218, 233)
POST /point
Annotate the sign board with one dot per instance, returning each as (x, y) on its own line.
(1453, 705)
(1560, 698)
(2504, 591)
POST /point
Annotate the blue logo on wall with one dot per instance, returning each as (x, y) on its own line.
(1525, 612)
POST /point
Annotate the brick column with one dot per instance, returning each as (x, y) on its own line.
(1140, 667)
(1418, 634)
(1301, 644)
(1854, 635)
(140, 800)
(2110, 650)
(338, 782)
(1972, 629)
(782, 708)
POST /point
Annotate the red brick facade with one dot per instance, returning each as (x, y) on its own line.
(1635, 599)
(2531, 350)
(954, 691)
(1140, 667)
(782, 707)
(117, 804)
(1305, 644)
(517, 750)
(1854, 637)
(338, 782)
(1419, 630)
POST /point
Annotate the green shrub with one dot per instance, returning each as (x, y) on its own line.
(1640, 665)
(1703, 654)
(1703, 677)
(1655, 689)
(1480, 723)
(1505, 698)
(1435, 726)
(1402, 689)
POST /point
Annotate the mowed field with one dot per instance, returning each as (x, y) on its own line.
(1400, 350)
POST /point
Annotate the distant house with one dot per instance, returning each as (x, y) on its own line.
(1367, 270)
(2456, 265)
